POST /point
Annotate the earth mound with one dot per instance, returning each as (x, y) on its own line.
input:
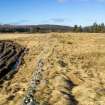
(11, 55)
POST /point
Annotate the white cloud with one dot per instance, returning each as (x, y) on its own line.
(58, 20)
(61, 1)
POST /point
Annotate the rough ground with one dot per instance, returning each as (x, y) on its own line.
(11, 55)
(73, 70)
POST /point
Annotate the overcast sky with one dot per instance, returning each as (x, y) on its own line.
(62, 12)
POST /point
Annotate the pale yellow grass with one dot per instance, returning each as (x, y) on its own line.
(84, 57)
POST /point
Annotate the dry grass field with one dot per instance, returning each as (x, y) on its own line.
(73, 71)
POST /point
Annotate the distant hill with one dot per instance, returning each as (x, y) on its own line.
(34, 28)
(95, 28)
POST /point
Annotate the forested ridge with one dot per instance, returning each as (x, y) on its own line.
(95, 28)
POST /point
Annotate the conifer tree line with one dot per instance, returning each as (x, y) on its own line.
(95, 28)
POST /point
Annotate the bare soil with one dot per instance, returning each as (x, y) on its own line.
(10, 58)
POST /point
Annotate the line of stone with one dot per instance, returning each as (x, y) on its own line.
(37, 76)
